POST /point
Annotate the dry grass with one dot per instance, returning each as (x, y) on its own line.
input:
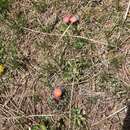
(91, 60)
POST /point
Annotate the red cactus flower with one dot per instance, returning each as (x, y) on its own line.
(74, 19)
(66, 19)
(57, 93)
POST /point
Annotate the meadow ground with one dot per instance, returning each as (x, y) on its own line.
(90, 59)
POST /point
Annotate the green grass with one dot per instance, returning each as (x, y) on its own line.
(38, 127)
(77, 118)
(90, 60)
(3, 5)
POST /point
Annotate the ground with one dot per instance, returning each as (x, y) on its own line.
(89, 59)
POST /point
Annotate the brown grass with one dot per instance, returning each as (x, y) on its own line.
(39, 52)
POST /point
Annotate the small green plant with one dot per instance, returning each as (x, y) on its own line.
(71, 70)
(79, 43)
(63, 27)
(39, 127)
(3, 5)
(4, 8)
(77, 117)
(75, 68)
(44, 122)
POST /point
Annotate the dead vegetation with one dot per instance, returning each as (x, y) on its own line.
(89, 59)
